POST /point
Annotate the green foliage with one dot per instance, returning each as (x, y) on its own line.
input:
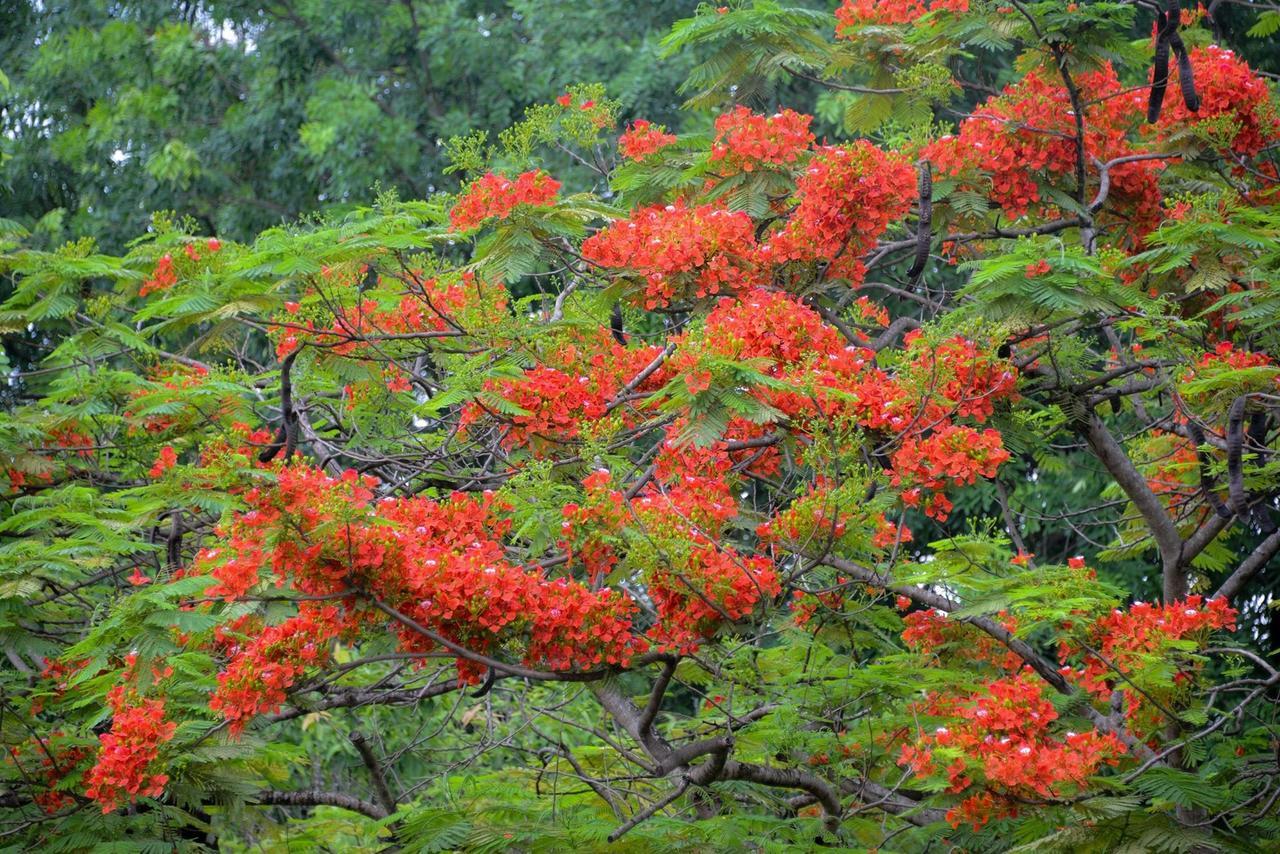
(321, 141)
(246, 116)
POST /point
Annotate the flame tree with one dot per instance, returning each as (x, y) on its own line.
(900, 477)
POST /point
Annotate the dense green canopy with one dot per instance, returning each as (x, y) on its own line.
(245, 115)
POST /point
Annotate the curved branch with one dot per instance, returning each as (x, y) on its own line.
(1257, 559)
(495, 664)
(1163, 530)
(380, 787)
(789, 778)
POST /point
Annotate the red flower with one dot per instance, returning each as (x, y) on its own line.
(745, 140)
(127, 753)
(162, 278)
(495, 196)
(677, 251)
(168, 459)
(399, 383)
(643, 139)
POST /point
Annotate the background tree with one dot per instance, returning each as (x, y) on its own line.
(244, 116)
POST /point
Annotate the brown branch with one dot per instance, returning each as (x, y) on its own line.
(355, 697)
(470, 655)
(1249, 567)
(655, 696)
(380, 787)
(1165, 533)
(313, 798)
(788, 778)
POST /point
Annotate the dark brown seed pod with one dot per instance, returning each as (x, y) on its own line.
(1235, 454)
(1206, 479)
(1160, 70)
(924, 229)
(286, 437)
(615, 324)
(174, 545)
(1186, 77)
(485, 688)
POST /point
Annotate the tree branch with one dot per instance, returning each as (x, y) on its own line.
(1257, 559)
(1165, 533)
(313, 798)
(380, 787)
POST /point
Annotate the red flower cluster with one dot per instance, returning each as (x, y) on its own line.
(126, 754)
(441, 564)
(845, 199)
(745, 140)
(495, 196)
(476, 599)
(1234, 101)
(690, 489)
(852, 15)
(576, 384)
(270, 661)
(932, 632)
(710, 585)
(811, 521)
(586, 526)
(964, 381)
(1026, 136)
(768, 325)
(163, 278)
(951, 455)
(167, 459)
(1124, 639)
(1000, 747)
(1227, 356)
(678, 251)
(643, 139)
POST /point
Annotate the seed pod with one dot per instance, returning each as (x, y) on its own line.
(1206, 479)
(924, 229)
(489, 678)
(174, 550)
(286, 437)
(615, 324)
(1160, 70)
(1235, 451)
(1186, 77)
(277, 444)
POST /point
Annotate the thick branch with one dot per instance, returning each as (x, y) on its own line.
(788, 778)
(366, 697)
(1257, 559)
(629, 718)
(380, 787)
(655, 696)
(312, 798)
(1163, 530)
